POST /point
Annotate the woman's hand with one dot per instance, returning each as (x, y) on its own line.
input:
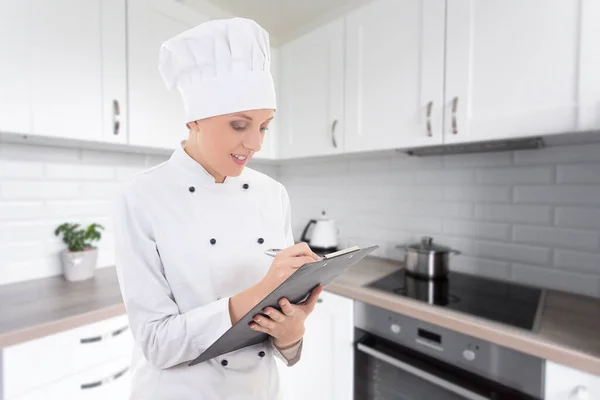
(286, 326)
(286, 262)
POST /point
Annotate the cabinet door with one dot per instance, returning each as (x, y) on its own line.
(156, 115)
(15, 106)
(76, 59)
(521, 68)
(325, 369)
(312, 79)
(395, 74)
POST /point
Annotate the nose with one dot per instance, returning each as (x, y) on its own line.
(253, 140)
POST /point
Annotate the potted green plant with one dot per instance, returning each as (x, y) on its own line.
(80, 257)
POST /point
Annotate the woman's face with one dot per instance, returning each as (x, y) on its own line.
(225, 143)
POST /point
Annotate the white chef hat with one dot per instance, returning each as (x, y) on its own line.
(219, 67)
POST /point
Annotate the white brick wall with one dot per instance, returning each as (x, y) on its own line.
(526, 216)
(41, 187)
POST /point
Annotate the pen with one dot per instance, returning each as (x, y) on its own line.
(272, 252)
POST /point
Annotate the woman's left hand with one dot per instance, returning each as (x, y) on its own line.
(286, 326)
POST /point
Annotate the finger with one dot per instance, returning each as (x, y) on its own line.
(287, 308)
(274, 314)
(300, 249)
(255, 327)
(309, 304)
(297, 262)
(265, 322)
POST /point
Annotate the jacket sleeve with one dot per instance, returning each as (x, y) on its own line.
(292, 355)
(166, 336)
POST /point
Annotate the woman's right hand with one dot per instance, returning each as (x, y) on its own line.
(287, 261)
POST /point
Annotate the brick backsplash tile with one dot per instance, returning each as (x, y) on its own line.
(22, 252)
(449, 177)
(96, 191)
(125, 173)
(559, 154)
(586, 173)
(424, 193)
(571, 217)
(514, 175)
(514, 213)
(21, 210)
(25, 231)
(405, 162)
(513, 252)
(558, 195)
(81, 172)
(444, 210)
(114, 159)
(28, 152)
(21, 169)
(27, 190)
(575, 260)
(483, 194)
(551, 237)
(484, 230)
(480, 266)
(561, 280)
(77, 208)
(478, 159)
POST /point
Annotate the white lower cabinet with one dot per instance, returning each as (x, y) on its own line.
(566, 383)
(110, 380)
(37, 365)
(326, 367)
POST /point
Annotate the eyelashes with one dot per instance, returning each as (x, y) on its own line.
(242, 126)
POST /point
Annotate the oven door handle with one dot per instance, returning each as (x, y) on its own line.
(459, 390)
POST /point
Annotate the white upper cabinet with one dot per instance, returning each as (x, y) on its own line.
(312, 76)
(156, 115)
(521, 68)
(15, 109)
(394, 74)
(76, 62)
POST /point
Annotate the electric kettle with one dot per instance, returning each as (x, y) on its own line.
(324, 236)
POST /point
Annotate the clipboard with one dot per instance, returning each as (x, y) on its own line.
(296, 288)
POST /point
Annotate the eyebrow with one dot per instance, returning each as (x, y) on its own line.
(250, 118)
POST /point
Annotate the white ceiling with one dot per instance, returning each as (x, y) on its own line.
(286, 19)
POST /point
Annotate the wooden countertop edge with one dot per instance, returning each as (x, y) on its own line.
(528, 343)
(60, 325)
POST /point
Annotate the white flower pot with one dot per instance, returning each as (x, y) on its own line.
(79, 265)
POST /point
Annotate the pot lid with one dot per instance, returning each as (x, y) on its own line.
(427, 245)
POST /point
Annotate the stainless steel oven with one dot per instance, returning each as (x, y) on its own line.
(399, 357)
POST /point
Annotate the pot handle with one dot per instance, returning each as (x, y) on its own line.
(455, 251)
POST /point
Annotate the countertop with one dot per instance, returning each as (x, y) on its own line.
(568, 333)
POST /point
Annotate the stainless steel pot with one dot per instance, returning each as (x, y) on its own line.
(428, 260)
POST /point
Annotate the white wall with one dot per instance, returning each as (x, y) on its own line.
(527, 216)
(41, 187)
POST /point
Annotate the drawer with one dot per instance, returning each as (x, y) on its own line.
(108, 381)
(42, 361)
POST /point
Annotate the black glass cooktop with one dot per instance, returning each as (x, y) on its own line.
(492, 299)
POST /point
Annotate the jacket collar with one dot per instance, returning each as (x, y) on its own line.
(184, 161)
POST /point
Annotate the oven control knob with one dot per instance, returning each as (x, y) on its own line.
(468, 355)
(395, 328)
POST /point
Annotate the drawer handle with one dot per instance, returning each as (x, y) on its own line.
(103, 337)
(454, 109)
(104, 381)
(333, 141)
(429, 107)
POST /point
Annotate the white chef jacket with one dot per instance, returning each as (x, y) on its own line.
(184, 245)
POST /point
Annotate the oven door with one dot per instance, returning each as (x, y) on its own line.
(387, 371)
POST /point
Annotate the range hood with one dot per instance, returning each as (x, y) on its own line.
(477, 147)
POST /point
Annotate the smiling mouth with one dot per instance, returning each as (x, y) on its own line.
(238, 157)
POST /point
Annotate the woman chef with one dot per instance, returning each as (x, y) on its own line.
(191, 232)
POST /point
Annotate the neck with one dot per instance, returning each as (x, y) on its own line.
(196, 154)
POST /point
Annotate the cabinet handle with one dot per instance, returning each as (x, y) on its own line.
(333, 133)
(454, 107)
(103, 337)
(104, 381)
(579, 393)
(116, 117)
(429, 107)
(319, 300)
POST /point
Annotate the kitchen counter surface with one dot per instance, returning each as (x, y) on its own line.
(41, 307)
(568, 331)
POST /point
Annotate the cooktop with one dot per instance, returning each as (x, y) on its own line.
(500, 301)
